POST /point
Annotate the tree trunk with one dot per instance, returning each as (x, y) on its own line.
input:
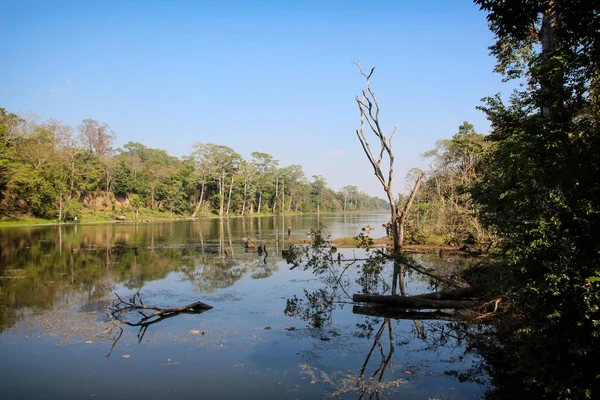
(229, 198)
(221, 193)
(276, 194)
(395, 222)
(199, 201)
(244, 201)
(259, 201)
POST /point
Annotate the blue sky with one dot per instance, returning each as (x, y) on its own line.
(269, 76)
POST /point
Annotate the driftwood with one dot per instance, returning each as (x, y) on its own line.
(119, 313)
(121, 308)
(412, 302)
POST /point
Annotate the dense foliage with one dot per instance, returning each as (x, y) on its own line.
(443, 210)
(540, 190)
(48, 171)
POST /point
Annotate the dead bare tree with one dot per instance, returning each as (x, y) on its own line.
(369, 116)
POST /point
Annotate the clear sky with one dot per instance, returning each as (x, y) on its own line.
(269, 76)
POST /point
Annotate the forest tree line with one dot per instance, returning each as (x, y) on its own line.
(50, 170)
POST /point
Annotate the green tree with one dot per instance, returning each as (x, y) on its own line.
(223, 161)
(541, 191)
(249, 174)
(266, 166)
(203, 172)
(444, 206)
(294, 179)
(9, 127)
(349, 195)
(318, 186)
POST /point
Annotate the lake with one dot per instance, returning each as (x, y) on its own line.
(56, 339)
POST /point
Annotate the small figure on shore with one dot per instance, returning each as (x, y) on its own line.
(289, 231)
(75, 220)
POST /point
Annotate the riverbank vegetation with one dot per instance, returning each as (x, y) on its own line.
(52, 171)
(540, 192)
(529, 193)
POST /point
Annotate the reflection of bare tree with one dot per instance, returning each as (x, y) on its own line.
(373, 383)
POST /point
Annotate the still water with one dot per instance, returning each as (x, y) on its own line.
(56, 341)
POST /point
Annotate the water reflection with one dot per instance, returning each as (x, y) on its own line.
(74, 270)
(431, 331)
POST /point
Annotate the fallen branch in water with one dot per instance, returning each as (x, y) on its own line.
(412, 302)
(120, 310)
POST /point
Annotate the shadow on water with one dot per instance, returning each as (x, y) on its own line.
(56, 282)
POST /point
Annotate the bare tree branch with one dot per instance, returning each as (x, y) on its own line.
(119, 312)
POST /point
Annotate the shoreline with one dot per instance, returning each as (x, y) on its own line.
(17, 223)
